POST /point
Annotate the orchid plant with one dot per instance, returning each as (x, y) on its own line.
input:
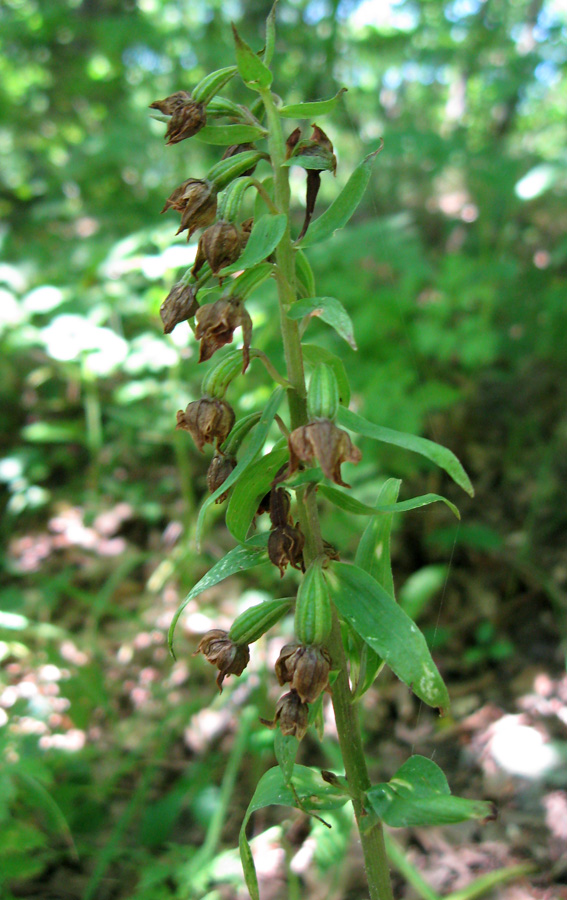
(347, 623)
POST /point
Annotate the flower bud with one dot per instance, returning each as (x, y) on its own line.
(219, 245)
(187, 116)
(196, 200)
(218, 471)
(291, 714)
(207, 420)
(229, 658)
(306, 668)
(216, 323)
(179, 305)
(285, 546)
(331, 446)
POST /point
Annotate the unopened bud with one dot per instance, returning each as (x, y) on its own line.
(179, 306)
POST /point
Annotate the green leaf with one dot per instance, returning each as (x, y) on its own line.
(266, 234)
(373, 555)
(330, 310)
(343, 206)
(229, 134)
(315, 108)
(236, 560)
(272, 790)
(373, 551)
(418, 794)
(253, 448)
(304, 273)
(253, 72)
(442, 456)
(285, 749)
(350, 504)
(251, 487)
(318, 163)
(250, 280)
(378, 619)
(270, 35)
(313, 355)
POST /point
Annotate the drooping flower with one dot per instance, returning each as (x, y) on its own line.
(196, 200)
(207, 420)
(285, 546)
(322, 440)
(222, 652)
(219, 245)
(187, 116)
(292, 715)
(179, 306)
(216, 323)
(220, 468)
(305, 668)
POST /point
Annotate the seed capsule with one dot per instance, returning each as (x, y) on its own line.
(323, 393)
(254, 622)
(313, 613)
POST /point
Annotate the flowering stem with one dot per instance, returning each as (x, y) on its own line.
(348, 728)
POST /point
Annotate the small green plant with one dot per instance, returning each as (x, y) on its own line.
(348, 624)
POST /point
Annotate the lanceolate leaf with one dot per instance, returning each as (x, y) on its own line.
(229, 134)
(313, 355)
(314, 108)
(343, 206)
(350, 504)
(270, 35)
(373, 555)
(239, 559)
(373, 551)
(304, 274)
(378, 619)
(266, 234)
(442, 456)
(250, 489)
(253, 448)
(418, 794)
(272, 790)
(331, 311)
(253, 72)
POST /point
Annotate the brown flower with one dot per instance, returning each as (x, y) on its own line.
(207, 420)
(219, 470)
(196, 200)
(222, 652)
(216, 323)
(292, 715)
(179, 305)
(219, 245)
(280, 505)
(331, 446)
(306, 668)
(285, 546)
(187, 116)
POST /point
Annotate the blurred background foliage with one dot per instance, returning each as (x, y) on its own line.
(454, 271)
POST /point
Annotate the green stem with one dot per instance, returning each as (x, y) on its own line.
(348, 728)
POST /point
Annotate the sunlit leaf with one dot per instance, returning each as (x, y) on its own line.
(229, 134)
(419, 794)
(442, 456)
(351, 504)
(343, 206)
(329, 310)
(253, 72)
(238, 559)
(266, 234)
(312, 108)
(249, 490)
(378, 619)
(272, 790)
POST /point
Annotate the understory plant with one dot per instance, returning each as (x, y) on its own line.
(276, 465)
